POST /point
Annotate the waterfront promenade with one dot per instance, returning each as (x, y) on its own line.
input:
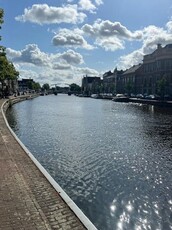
(27, 200)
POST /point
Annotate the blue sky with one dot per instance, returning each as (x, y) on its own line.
(60, 41)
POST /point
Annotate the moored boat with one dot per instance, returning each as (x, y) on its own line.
(120, 98)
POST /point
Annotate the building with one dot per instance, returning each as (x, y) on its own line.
(108, 82)
(130, 80)
(91, 85)
(25, 84)
(153, 76)
(157, 66)
(111, 81)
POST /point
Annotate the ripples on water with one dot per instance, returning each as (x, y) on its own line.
(113, 159)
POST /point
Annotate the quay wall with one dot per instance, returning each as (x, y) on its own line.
(70, 203)
(151, 102)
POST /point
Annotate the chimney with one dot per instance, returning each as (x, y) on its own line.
(159, 46)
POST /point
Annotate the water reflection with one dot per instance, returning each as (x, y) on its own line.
(113, 159)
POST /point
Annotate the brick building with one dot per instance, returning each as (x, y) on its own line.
(91, 85)
(156, 66)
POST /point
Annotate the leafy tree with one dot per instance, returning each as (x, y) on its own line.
(129, 88)
(30, 84)
(75, 88)
(7, 69)
(46, 86)
(161, 86)
(36, 86)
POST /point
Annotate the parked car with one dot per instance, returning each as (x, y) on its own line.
(167, 97)
(153, 97)
(139, 96)
(132, 95)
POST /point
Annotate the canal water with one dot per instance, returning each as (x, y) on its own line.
(113, 159)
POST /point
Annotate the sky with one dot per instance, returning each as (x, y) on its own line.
(60, 41)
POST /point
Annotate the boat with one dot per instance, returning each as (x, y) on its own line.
(120, 98)
(96, 96)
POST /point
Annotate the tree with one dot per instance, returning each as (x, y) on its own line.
(46, 86)
(161, 87)
(129, 88)
(36, 86)
(8, 72)
(30, 84)
(75, 88)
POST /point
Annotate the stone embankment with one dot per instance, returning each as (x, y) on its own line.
(29, 197)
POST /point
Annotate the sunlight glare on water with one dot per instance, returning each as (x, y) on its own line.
(112, 159)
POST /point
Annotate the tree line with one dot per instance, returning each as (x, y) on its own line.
(7, 69)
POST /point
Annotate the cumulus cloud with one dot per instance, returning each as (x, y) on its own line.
(99, 2)
(131, 59)
(152, 35)
(85, 71)
(108, 29)
(87, 5)
(44, 14)
(110, 35)
(31, 54)
(71, 57)
(49, 67)
(12, 53)
(69, 38)
(169, 26)
(61, 66)
(110, 44)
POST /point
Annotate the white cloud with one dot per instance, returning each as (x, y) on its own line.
(31, 54)
(169, 26)
(71, 57)
(110, 35)
(12, 53)
(99, 2)
(110, 44)
(44, 14)
(85, 71)
(49, 68)
(61, 66)
(152, 36)
(108, 29)
(131, 59)
(87, 5)
(70, 38)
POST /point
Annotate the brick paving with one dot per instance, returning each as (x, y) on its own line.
(27, 199)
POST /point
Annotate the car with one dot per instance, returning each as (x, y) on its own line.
(153, 97)
(139, 96)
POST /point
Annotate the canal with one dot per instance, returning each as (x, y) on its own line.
(113, 159)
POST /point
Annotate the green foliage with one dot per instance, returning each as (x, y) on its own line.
(7, 69)
(129, 87)
(46, 86)
(75, 88)
(161, 86)
(36, 86)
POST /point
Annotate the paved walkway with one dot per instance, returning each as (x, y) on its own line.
(27, 200)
